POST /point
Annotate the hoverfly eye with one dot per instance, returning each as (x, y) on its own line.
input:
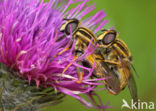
(109, 38)
(71, 27)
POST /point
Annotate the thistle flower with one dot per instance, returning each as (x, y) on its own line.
(29, 39)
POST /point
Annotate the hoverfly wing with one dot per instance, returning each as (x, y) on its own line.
(112, 83)
(134, 70)
(102, 70)
(130, 81)
(133, 88)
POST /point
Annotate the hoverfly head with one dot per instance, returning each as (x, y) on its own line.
(107, 37)
(71, 25)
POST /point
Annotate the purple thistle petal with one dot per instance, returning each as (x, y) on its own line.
(29, 39)
(100, 26)
(101, 106)
(87, 104)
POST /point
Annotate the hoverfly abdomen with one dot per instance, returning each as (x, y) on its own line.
(122, 48)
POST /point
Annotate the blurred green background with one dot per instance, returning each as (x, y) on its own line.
(136, 22)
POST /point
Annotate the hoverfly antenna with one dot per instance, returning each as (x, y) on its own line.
(72, 19)
(109, 37)
(134, 70)
(66, 19)
(103, 30)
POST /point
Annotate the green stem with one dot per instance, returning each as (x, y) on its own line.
(17, 95)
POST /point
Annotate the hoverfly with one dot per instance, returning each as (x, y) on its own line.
(117, 55)
(83, 37)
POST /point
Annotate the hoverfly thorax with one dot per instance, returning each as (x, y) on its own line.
(122, 50)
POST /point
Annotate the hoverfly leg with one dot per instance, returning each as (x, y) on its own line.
(101, 46)
(90, 94)
(112, 62)
(80, 77)
(79, 73)
(66, 68)
(64, 50)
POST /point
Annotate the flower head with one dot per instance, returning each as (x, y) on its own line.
(30, 38)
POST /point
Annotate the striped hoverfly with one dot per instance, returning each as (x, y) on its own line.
(117, 55)
(83, 36)
(112, 58)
